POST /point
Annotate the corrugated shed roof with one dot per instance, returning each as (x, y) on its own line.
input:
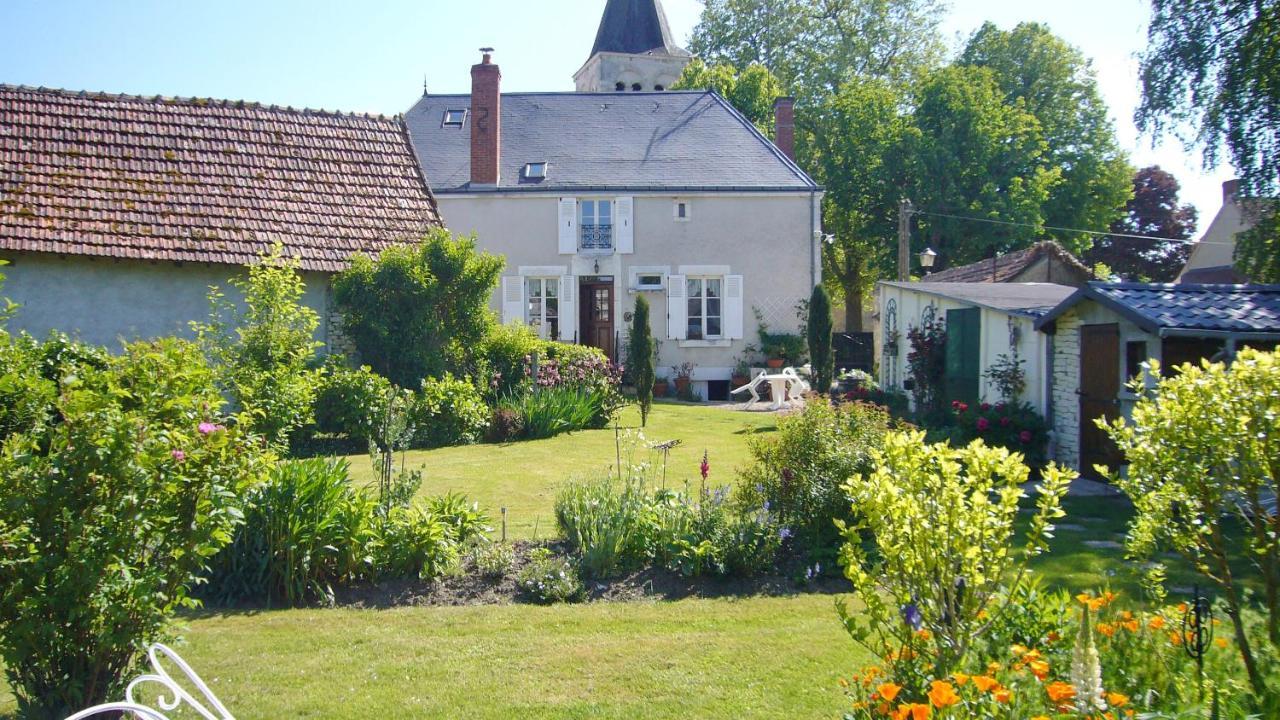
(203, 180)
(1206, 308)
(1032, 299)
(682, 141)
(1006, 268)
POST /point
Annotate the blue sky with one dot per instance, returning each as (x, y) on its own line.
(374, 55)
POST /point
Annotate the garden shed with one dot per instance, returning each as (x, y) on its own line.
(983, 322)
(1099, 338)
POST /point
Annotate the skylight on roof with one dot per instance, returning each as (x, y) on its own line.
(455, 118)
(534, 171)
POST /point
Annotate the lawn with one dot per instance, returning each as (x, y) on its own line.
(758, 657)
(523, 477)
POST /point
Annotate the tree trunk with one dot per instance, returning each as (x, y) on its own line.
(852, 311)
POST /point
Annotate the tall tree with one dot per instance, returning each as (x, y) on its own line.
(977, 156)
(856, 147)
(1154, 211)
(752, 90)
(1056, 83)
(813, 46)
(1211, 75)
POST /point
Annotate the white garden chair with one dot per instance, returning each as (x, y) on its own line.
(171, 694)
(785, 386)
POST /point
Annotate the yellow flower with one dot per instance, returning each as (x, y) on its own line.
(1117, 700)
(889, 691)
(942, 694)
(1041, 717)
(960, 678)
(1018, 650)
(1039, 668)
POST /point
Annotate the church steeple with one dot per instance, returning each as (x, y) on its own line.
(633, 50)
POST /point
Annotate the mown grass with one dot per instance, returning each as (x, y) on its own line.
(703, 658)
(524, 476)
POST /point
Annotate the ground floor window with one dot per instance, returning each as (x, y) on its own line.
(705, 310)
(542, 310)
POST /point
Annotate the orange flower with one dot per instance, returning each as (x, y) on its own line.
(1041, 717)
(993, 667)
(913, 711)
(960, 678)
(1182, 608)
(1106, 629)
(1039, 668)
(942, 694)
(1003, 696)
(1117, 700)
(889, 691)
(1130, 625)
(1156, 623)
(924, 634)
(1095, 604)
(984, 683)
(1060, 692)
(1176, 639)
(1018, 650)
(1054, 636)
(1221, 643)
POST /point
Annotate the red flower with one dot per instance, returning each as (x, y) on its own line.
(1005, 422)
(1025, 436)
(985, 406)
(983, 424)
(706, 466)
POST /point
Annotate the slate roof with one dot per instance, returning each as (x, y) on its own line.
(635, 27)
(1029, 299)
(1159, 308)
(687, 141)
(1006, 268)
(202, 180)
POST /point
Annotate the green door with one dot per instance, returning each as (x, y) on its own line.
(964, 352)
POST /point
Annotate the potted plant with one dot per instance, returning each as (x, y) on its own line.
(741, 373)
(660, 387)
(683, 374)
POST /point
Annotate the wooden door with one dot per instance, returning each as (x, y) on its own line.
(595, 320)
(1099, 395)
(964, 354)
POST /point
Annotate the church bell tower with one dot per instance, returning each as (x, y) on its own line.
(633, 51)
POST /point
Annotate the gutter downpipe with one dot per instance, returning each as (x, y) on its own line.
(815, 237)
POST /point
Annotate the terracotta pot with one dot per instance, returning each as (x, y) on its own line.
(682, 386)
(738, 381)
(660, 388)
(774, 363)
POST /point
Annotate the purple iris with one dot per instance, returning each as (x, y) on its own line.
(912, 617)
(784, 533)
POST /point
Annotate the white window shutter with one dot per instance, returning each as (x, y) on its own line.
(624, 223)
(732, 307)
(568, 309)
(512, 300)
(677, 308)
(568, 226)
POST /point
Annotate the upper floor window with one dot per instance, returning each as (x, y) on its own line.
(595, 223)
(705, 310)
(542, 308)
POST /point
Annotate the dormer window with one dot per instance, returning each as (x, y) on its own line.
(637, 87)
(534, 171)
(455, 118)
(620, 87)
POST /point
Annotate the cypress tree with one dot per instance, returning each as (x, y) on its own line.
(821, 359)
(640, 355)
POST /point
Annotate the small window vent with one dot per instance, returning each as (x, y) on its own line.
(455, 118)
(534, 171)
(648, 281)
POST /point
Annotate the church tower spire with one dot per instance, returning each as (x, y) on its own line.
(633, 50)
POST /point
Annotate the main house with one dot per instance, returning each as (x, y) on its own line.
(597, 198)
(117, 213)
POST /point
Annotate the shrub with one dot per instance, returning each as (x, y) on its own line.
(554, 410)
(466, 521)
(447, 411)
(491, 560)
(1201, 451)
(941, 521)
(264, 350)
(507, 424)
(927, 368)
(640, 355)
(348, 400)
(604, 519)
(1016, 427)
(818, 330)
(118, 507)
(548, 579)
(419, 310)
(415, 542)
(506, 352)
(305, 531)
(799, 473)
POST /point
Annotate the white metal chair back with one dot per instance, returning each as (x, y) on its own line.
(171, 694)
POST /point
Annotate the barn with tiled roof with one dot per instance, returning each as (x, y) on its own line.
(118, 212)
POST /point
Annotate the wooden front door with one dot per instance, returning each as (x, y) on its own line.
(964, 351)
(595, 318)
(1099, 395)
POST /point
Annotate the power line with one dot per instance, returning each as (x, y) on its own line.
(1184, 241)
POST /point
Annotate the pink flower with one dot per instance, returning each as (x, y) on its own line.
(1005, 422)
(206, 428)
(1025, 436)
(983, 424)
(985, 406)
(178, 455)
(961, 407)
(706, 466)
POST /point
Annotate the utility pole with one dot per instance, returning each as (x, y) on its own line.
(905, 209)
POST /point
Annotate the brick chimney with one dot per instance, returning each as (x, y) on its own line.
(486, 121)
(784, 122)
(1230, 191)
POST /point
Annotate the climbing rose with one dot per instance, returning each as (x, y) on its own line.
(1025, 436)
(983, 424)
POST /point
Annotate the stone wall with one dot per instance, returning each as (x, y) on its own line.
(1066, 383)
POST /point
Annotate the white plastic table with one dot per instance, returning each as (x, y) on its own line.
(783, 387)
